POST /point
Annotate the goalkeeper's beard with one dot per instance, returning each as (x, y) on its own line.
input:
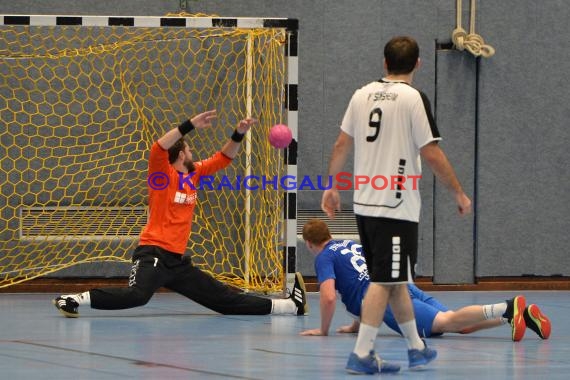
(189, 164)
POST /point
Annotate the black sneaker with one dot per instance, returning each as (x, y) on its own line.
(299, 295)
(67, 306)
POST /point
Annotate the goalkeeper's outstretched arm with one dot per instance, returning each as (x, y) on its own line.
(231, 148)
(200, 121)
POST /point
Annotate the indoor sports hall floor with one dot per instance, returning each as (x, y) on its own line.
(172, 338)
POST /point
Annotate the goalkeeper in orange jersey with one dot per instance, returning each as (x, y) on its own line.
(159, 260)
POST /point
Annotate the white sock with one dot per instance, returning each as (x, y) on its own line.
(494, 311)
(81, 298)
(410, 332)
(365, 340)
(283, 306)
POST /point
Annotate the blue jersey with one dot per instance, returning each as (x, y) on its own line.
(342, 261)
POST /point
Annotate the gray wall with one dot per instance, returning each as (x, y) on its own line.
(506, 135)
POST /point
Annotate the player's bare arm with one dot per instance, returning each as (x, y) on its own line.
(342, 148)
(327, 293)
(231, 148)
(200, 121)
(439, 164)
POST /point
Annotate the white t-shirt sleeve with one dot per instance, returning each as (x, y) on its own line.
(424, 129)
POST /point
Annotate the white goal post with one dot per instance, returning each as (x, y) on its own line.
(12, 212)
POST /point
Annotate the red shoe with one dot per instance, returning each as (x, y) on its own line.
(515, 315)
(537, 322)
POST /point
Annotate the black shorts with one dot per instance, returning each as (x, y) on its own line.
(390, 248)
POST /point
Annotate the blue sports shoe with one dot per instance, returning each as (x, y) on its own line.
(419, 358)
(369, 365)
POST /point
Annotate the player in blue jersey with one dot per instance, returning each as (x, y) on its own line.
(339, 265)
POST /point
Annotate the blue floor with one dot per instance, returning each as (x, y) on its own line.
(173, 338)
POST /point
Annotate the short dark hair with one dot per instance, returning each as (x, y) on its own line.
(401, 54)
(315, 231)
(175, 150)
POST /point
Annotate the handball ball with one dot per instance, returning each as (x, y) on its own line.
(280, 136)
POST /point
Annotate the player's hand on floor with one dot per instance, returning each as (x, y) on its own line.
(313, 332)
(348, 329)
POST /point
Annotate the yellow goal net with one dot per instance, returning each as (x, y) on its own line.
(80, 107)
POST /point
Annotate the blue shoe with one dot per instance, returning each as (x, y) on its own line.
(369, 365)
(419, 358)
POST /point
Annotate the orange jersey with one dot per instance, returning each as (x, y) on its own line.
(172, 208)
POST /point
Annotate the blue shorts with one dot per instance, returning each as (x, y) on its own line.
(425, 310)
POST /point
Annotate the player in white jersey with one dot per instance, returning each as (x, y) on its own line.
(390, 125)
(397, 120)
